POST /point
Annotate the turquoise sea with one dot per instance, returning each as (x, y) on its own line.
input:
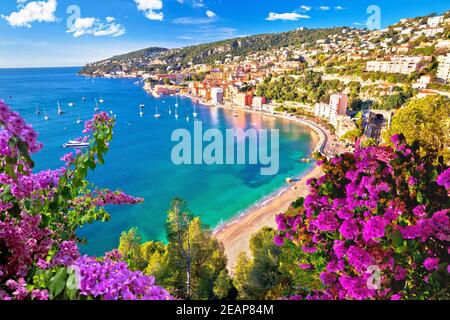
(139, 160)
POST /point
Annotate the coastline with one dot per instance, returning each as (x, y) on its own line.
(235, 234)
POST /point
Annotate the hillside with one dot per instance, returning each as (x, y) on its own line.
(134, 60)
(159, 59)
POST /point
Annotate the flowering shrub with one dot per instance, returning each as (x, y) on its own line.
(375, 226)
(40, 212)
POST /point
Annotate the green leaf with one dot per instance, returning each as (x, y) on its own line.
(71, 288)
(396, 238)
(57, 283)
(419, 197)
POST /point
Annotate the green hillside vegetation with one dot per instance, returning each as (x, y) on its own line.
(215, 51)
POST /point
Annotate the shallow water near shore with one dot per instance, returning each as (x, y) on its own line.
(139, 160)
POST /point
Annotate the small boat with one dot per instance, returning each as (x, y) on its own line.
(101, 99)
(79, 121)
(83, 99)
(37, 110)
(45, 115)
(176, 114)
(176, 104)
(170, 110)
(71, 104)
(157, 115)
(76, 144)
(60, 110)
(142, 106)
(96, 106)
(187, 119)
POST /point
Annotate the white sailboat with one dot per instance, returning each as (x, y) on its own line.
(79, 121)
(45, 115)
(37, 110)
(170, 110)
(176, 114)
(187, 119)
(71, 104)
(96, 106)
(141, 112)
(60, 110)
(101, 99)
(176, 104)
(157, 115)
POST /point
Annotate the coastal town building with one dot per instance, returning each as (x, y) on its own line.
(443, 72)
(423, 82)
(217, 95)
(337, 106)
(398, 64)
(435, 21)
(243, 100)
(258, 102)
(443, 44)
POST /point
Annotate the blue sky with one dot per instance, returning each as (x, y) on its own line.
(74, 32)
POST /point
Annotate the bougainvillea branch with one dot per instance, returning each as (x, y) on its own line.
(39, 215)
(375, 226)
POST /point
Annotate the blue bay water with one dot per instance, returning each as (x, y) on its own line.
(139, 160)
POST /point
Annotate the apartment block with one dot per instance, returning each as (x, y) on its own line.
(398, 64)
(243, 100)
(337, 106)
(443, 72)
(258, 102)
(435, 21)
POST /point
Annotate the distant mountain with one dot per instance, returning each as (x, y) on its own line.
(135, 60)
(159, 59)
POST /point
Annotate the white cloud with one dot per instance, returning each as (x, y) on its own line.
(151, 9)
(210, 14)
(324, 8)
(290, 16)
(305, 8)
(96, 27)
(193, 3)
(210, 18)
(35, 11)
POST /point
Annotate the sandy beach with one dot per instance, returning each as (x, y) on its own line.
(236, 235)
